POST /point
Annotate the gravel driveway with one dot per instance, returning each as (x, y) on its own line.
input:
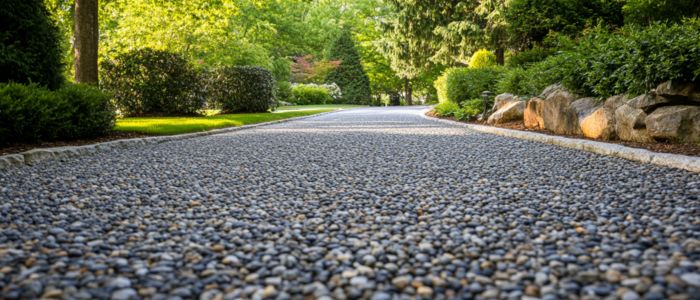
(369, 203)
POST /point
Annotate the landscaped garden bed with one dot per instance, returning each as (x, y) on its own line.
(663, 147)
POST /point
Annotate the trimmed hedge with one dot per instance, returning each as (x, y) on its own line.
(91, 111)
(305, 94)
(242, 89)
(153, 82)
(31, 113)
(462, 84)
(30, 50)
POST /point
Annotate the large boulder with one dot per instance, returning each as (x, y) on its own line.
(550, 90)
(648, 102)
(598, 122)
(630, 124)
(558, 115)
(679, 123)
(583, 107)
(680, 91)
(512, 111)
(503, 100)
(532, 116)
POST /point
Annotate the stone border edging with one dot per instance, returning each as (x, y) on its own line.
(678, 161)
(37, 155)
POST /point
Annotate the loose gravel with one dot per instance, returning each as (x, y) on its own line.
(368, 203)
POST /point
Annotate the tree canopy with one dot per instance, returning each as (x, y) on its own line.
(402, 44)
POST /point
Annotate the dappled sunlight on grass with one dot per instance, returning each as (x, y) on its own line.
(178, 125)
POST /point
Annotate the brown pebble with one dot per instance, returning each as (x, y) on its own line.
(532, 290)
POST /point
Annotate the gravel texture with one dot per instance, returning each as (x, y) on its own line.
(368, 203)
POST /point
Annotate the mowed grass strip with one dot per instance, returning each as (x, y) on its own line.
(180, 125)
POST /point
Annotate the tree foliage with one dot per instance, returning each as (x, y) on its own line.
(349, 75)
(530, 21)
(308, 69)
(646, 12)
(30, 51)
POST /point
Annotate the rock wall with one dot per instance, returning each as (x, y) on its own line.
(671, 112)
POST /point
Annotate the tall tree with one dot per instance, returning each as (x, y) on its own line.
(494, 26)
(349, 75)
(408, 40)
(86, 33)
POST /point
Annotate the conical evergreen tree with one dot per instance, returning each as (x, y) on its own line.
(349, 76)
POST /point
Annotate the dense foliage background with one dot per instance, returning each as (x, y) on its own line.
(176, 57)
(30, 49)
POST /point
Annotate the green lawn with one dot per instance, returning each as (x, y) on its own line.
(178, 125)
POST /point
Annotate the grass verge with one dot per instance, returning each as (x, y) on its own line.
(180, 125)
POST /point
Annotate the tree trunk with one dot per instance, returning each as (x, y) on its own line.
(408, 91)
(500, 56)
(85, 35)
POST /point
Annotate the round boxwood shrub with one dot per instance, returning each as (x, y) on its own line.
(305, 94)
(90, 110)
(29, 44)
(242, 89)
(153, 82)
(482, 59)
(31, 113)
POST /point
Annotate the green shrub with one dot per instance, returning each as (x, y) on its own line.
(283, 91)
(30, 113)
(441, 86)
(30, 50)
(305, 94)
(562, 68)
(446, 109)
(631, 61)
(91, 111)
(153, 82)
(242, 89)
(482, 59)
(516, 81)
(461, 84)
(394, 99)
(470, 109)
(527, 57)
(638, 59)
